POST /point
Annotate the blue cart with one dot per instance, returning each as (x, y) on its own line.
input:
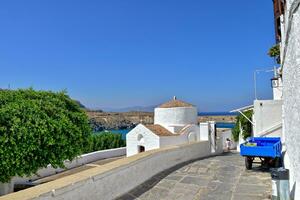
(268, 150)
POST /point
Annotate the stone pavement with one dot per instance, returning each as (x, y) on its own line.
(216, 178)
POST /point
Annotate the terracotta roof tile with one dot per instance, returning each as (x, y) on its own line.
(175, 103)
(159, 130)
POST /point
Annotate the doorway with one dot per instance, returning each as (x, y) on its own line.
(141, 149)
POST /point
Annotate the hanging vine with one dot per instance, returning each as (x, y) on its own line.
(245, 125)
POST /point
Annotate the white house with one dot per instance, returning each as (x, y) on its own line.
(267, 114)
(290, 62)
(175, 122)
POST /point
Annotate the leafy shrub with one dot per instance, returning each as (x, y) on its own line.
(274, 52)
(104, 140)
(38, 128)
(245, 125)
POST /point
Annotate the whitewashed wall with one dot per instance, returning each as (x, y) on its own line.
(170, 140)
(204, 131)
(191, 130)
(114, 179)
(268, 118)
(291, 93)
(81, 160)
(150, 141)
(180, 116)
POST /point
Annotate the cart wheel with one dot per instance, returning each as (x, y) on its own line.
(277, 162)
(248, 163)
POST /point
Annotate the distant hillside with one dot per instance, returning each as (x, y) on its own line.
(218, 118)
(131, 109)
(127, 120)
(122, 120)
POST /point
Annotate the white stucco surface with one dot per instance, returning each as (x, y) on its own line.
(6, 188)
(172, 126)
(150, 140)
(267, 117)
(278, 91)
(178, 116)
(81, 160)
(109, 181)
(291, 93)
(204, 131)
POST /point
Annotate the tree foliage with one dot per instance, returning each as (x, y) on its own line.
(38, 128)
(104, 140)
(274, 52)
(245, 125)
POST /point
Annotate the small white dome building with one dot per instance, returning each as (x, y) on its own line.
(175, 122)
(175, 115)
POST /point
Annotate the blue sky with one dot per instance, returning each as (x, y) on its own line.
(138, 52)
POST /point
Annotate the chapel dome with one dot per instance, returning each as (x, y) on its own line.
(175, 113)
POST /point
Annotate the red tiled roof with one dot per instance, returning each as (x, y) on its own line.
(159, 130)
(175, 103)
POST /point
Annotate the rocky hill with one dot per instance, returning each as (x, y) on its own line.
(126, 120)
(218, 118)
(111, 120)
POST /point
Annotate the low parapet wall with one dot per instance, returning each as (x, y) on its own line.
(114, 179)
(81, 160)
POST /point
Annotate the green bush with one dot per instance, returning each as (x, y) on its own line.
(245, 125)
(274, 52)
(38, 128)
(104, 140)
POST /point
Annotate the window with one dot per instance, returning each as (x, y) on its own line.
(140, 138)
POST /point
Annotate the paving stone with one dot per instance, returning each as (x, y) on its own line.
(223, 188)
(174, 177)
(167, 184)
(254, 180)
(250, 189)
(195, 180)
(154, 194)
(185, 189)
(216, 178)
(180, 196)
(246, 197)
(217, 197)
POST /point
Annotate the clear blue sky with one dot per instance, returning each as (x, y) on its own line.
(121, 53)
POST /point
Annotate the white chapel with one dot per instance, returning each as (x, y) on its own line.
(175, 122)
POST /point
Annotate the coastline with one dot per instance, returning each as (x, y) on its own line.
(101, 121)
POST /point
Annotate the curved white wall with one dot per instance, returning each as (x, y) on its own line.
(179, 116)
(114, 179)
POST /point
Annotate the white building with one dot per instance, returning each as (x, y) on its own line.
(290, 62)
(175, 122)
(267, 114)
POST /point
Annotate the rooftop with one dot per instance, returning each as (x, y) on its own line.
(159, 130)
(175, 103)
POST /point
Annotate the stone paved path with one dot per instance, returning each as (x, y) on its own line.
(216, 178)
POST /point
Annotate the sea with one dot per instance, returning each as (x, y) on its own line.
(217, 114)
(124, 132)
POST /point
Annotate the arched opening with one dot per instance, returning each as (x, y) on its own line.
(141, 149)
(192, 137)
